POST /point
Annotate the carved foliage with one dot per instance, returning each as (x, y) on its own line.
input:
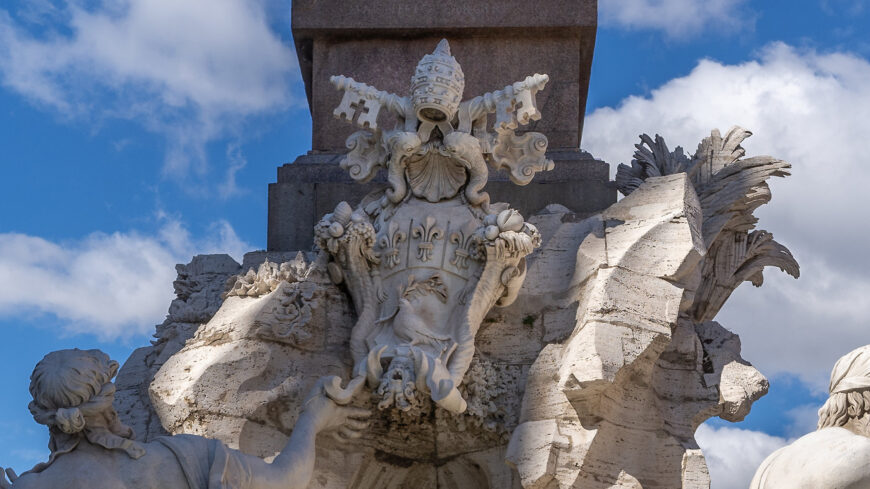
(735, 257)
(651, 159)
(729, 189)
(433, 285)
(291, 317)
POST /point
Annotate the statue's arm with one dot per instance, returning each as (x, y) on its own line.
(293, 467)
(325, 409)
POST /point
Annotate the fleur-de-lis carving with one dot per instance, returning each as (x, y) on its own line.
(463, 238)
(426, 232)
(389, 242)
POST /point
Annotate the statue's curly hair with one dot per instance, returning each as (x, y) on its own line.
(849, 389)
(70, 378)
(843, 406)
(71, 389)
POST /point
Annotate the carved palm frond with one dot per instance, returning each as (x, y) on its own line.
(715, 153)
(651, 159)
(735, 257)
(731, 188)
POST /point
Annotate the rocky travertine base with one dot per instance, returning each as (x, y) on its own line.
(617, 404)
(242, 376)
(198, 290)
(591, 416)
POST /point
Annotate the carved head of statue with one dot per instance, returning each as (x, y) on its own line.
(72, 394)
(849, 390)
(437, 85)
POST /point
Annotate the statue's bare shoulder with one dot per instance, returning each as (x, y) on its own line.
(831, 457)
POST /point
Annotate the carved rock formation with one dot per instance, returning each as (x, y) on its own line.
(617, 404)
(198, 290)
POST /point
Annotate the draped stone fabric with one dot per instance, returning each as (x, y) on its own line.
(209, 464)
(852, 372)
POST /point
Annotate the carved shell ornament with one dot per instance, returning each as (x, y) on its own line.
(426, 259)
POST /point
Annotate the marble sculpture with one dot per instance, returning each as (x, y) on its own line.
(836, 454)
(494, 350)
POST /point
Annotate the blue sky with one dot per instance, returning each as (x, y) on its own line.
(135, 134)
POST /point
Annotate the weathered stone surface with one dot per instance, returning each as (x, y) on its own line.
(238, 362)
(233, 383)
(508, 343)
(198, 290)
(625, 325)
(739, 383)
(644, 365)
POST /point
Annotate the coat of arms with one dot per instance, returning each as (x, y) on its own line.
(427, 258)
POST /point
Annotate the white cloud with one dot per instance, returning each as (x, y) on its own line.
(733, 454)
(191, 70)
(810, 109)
(676, 18)
(112, 285)
(237, 162)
